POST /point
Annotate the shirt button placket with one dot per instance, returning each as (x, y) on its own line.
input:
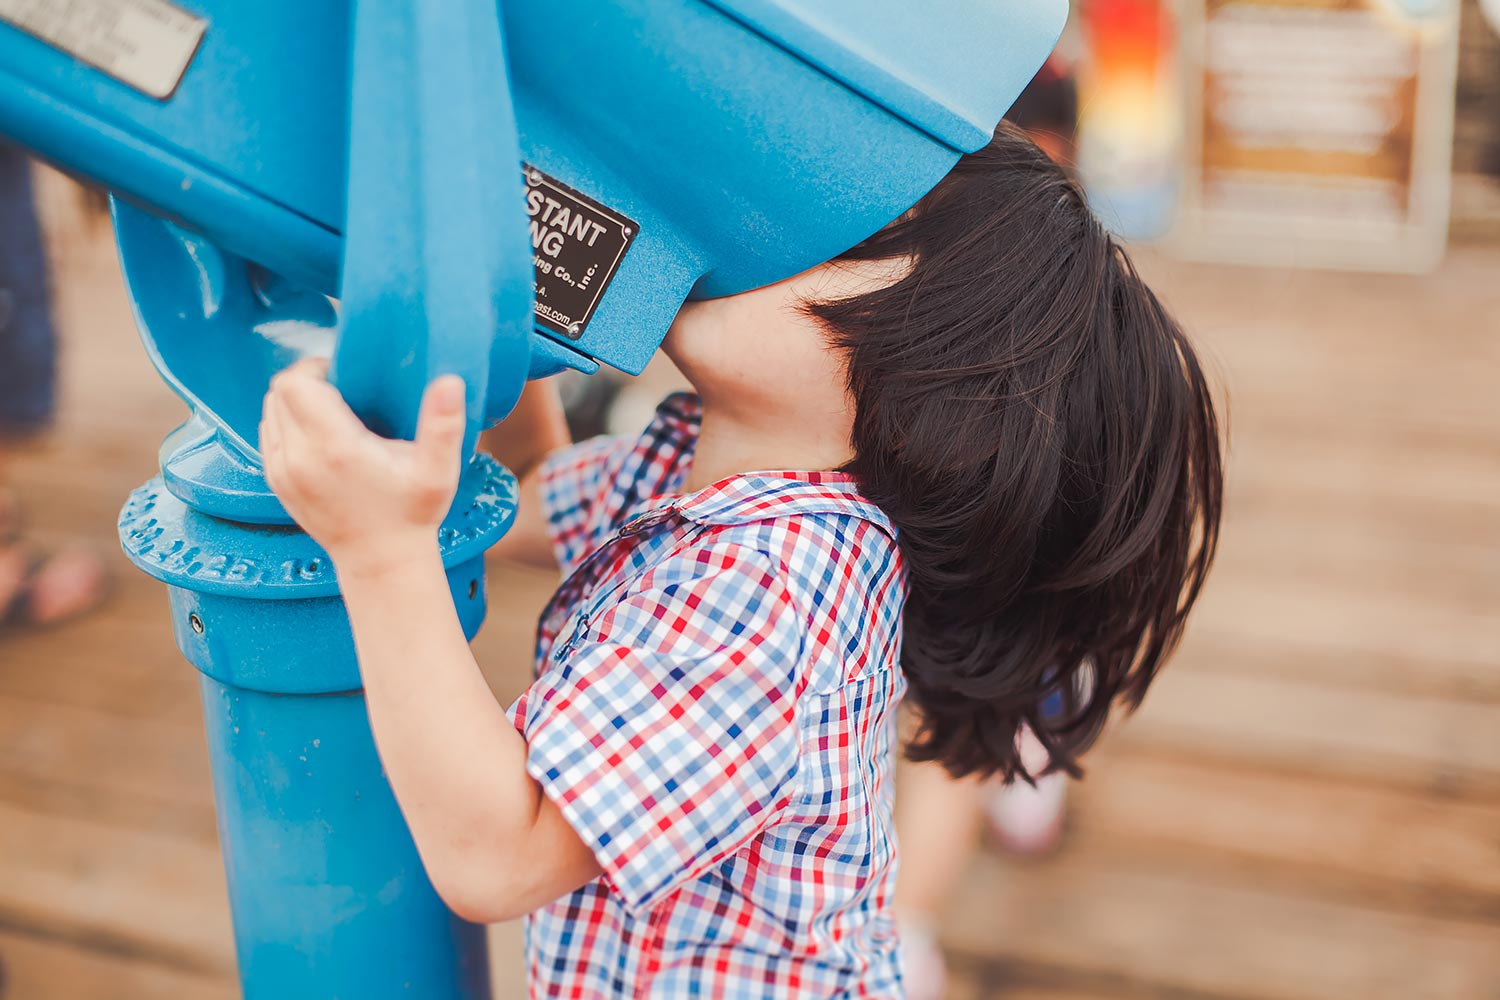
(629, 529)
(651, 519)
(580, 629)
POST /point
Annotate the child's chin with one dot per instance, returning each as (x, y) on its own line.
(686, 337)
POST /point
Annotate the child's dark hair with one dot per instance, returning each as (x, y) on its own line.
(1038, 428)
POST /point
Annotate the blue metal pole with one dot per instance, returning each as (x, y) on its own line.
(328, 893)
(329, 896)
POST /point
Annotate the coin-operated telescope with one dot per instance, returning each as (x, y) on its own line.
(498, 190)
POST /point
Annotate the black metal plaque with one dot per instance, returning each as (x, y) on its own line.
(577, 245)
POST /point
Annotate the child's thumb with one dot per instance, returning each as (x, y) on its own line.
(441, 423)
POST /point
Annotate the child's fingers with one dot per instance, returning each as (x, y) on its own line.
(299, 457)
(311, 402)
(287, 434)
(270, 438)
(311, 366)
(440, 429)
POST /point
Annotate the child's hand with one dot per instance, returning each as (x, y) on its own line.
(369, 501)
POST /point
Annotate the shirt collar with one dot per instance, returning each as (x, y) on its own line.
(745, 497)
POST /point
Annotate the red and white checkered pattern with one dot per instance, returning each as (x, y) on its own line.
(714, 712)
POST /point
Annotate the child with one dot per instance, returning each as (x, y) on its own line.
(1006, 483)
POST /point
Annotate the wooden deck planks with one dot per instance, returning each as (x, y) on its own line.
(1171, 930)
(157, 896)
(1440, 744)
(1403, 849)
(40, 968)
(1307, 806)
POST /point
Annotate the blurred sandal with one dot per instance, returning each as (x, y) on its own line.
(1028, 819)
(40, 590)
(1025, 819)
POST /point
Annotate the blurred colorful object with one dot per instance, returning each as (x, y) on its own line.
(1130, 120)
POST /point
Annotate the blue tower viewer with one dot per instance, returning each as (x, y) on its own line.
(383, 153)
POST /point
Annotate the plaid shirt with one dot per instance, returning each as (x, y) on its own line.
(714, 712)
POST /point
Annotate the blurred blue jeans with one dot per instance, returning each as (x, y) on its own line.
(28, 349)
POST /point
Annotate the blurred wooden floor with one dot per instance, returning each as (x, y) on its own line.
(1308, 807)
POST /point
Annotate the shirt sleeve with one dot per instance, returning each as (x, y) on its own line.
(668, 737)
(575, 483)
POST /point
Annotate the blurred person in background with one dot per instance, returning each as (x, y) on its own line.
(941, 821)
(36, 588)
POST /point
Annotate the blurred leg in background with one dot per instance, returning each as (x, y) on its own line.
(35, 588)
(940, 824)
